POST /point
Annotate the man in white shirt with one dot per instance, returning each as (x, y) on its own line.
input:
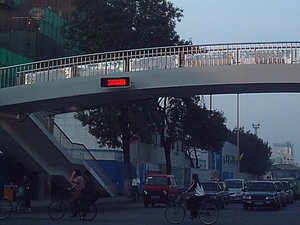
(198, 194)
(135, 187)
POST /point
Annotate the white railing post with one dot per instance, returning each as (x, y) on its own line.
(291, 53)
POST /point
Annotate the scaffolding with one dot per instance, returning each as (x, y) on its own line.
(31, 30)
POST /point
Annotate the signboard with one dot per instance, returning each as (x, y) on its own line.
(115, 82)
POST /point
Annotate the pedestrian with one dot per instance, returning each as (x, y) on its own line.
(26, 185)
(197, 194)
(135, 187)
(77, 182)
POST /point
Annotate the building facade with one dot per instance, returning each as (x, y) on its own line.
(282, 153)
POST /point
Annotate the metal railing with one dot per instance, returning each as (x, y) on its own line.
(150, 58)
(76, 153)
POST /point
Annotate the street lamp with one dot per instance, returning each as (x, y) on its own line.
(255, 127)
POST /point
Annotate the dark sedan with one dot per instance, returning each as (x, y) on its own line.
(214, 191)
(262, 194)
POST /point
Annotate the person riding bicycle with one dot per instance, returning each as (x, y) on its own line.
(77, 182)
(197, 192)
(89, 194)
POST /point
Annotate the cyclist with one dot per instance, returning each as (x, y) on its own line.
(78, 185)
(197, 192)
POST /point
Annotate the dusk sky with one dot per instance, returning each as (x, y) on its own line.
(239, 21)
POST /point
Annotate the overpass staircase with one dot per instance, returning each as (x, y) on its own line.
(40, 144)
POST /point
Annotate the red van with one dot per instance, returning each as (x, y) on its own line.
(159, 188)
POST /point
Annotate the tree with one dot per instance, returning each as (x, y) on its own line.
(256, 153)
(209, 132)
(183, 119)
(116, 125)
(106, 25)
(169, 127)
(203, 128)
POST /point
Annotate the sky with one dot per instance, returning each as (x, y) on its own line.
(240, 21)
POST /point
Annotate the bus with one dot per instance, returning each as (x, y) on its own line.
(287, 172)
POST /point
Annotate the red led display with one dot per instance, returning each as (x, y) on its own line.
(115, 82)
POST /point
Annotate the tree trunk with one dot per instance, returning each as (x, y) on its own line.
(196, 158)
(167, 147)
(127, 165)
(188, 153)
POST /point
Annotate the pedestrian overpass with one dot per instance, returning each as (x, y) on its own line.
(66, 83)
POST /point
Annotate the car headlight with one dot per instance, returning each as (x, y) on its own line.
(270, 197)
(145, 192)
(246, 197)
(165, 192)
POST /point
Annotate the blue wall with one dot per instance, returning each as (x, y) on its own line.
(115, 170)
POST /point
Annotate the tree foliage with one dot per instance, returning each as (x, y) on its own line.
(256, 153)
(203, 128)
(117, 125)
(185, 120)
(106, 25)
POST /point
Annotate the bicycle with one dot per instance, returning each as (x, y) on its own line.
(208, 212)
(58, 208)
(5, 208)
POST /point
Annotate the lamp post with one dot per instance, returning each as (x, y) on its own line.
(255, 127)
(238, 128)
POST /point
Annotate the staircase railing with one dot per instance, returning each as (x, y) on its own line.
(76, 153)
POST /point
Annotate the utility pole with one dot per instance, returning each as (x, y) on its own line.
(255, 127)
(209, 152)
(238, 128)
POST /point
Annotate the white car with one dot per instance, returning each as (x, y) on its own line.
(235, 187)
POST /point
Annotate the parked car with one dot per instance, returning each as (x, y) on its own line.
(262, 194)
(284, 195)
(289, 191)
(214, 190)
(159, 188)
(226, 192)
(236, 187)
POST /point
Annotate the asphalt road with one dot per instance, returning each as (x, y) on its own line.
(136, 214)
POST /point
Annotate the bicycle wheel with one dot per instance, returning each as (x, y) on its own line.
(57, 209)
(88, 213)
(208, 213)
(5, 208)
(175, 213)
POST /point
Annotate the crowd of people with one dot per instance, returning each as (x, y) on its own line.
(82, 190)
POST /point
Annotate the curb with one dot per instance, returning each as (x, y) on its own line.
(101, 205)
